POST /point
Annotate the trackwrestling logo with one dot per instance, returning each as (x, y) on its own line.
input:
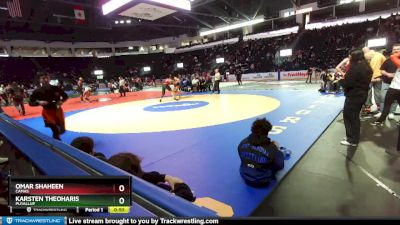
(34, 220)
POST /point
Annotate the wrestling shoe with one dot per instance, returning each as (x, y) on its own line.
(365, 118)
(373, 108)
(348, 143)
(377, 123)
(3, 160)
(378, 115)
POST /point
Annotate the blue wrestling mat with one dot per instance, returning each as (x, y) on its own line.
(196, 138)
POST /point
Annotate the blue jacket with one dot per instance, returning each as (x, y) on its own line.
(260, 159)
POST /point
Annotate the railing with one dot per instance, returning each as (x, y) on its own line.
(55, 158)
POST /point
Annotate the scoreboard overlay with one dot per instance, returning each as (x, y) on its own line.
(93, 194)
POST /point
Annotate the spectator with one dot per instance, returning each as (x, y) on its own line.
(86, 144)
(260, 157)
(376, 60)
(323, 81)
(131, 163)
(3, 94)
(343, 66)
(388, 71)
(393, 93)
(356, 84)
(195, 84)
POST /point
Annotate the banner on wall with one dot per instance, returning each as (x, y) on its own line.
(272, 76)
(294, 75)
(256, 76)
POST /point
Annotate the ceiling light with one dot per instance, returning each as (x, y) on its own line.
(231, 27)
(378, 42)
(285, 52)
(305, 10)
(182, 4)
(113, 5)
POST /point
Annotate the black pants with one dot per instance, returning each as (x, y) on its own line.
(398, 141)
(79, 90)
(351, 116)
(309, 76)
(56, 131)
(5, 98)
(122, 91)
(216, 86)
(391, 96)
(239, 79)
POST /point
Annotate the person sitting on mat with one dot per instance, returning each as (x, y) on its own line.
(131, 163)
(260, 157)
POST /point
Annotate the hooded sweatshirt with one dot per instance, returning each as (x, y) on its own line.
(260, 159)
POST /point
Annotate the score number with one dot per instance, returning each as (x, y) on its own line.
(122, 189)
(121, 200)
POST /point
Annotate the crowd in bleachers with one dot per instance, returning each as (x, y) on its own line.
(323, 48)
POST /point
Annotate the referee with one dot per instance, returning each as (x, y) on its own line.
(217, 80)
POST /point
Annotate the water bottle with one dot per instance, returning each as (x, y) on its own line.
(286, 152)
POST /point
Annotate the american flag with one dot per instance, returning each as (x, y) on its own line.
(14, 8)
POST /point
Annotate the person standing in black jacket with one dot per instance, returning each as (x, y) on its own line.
(356, 84)
(50, 98)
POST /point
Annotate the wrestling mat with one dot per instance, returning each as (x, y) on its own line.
(196, 138)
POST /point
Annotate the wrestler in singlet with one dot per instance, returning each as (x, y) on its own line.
(166, 86)
(177, 87)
